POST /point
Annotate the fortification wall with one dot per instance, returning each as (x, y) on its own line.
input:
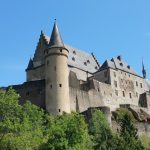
(79, 100)
(36, 74)
(33, 91)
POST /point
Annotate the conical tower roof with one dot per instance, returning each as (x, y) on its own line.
(56, 40)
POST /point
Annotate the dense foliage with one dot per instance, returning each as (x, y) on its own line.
(27, 127)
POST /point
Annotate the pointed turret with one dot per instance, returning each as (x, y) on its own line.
(56, 75)
(56, 40)
(30, 65)
(143, 70)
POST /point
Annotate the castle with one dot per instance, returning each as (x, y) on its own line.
(61, 78)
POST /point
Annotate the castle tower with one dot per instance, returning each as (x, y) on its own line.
(56, 75)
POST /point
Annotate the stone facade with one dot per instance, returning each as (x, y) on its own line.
(62, 78)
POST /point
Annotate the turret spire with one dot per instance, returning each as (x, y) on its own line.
(143, 70)
(56, 40)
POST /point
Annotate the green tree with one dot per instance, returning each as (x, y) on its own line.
(128, 133)
(21, 127)
(102, 136)
(69, 132)
(146, 141)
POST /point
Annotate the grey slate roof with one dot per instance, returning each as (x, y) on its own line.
(107, 64)
(80, 59)
(30, 65)
(56, 39)
(117, 63)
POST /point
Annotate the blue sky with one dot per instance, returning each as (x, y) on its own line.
(106, 27)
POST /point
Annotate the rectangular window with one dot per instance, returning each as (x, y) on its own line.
(51, 86)
(136, 83)
(115, 83)
(123, 93)
(141, 85)
(130, 95)
(60, 85)
(116, 92)
(47, 62)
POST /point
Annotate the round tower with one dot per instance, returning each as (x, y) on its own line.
(56, 75)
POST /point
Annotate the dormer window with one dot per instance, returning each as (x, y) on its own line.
(73, 58)
(96, 67)
(121, 64)
(74, 52)
(88, 61)
(128, 67)
(85, 63)
(112, 60)
(119, 58)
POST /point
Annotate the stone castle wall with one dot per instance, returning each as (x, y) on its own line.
(33, 91)
(37, 73)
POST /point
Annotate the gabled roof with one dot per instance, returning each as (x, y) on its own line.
(79, 58)
(42, 38)
(30, 64)
(107, 64)
(118, 63)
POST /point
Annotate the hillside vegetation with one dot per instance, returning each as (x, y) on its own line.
(29, 127)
